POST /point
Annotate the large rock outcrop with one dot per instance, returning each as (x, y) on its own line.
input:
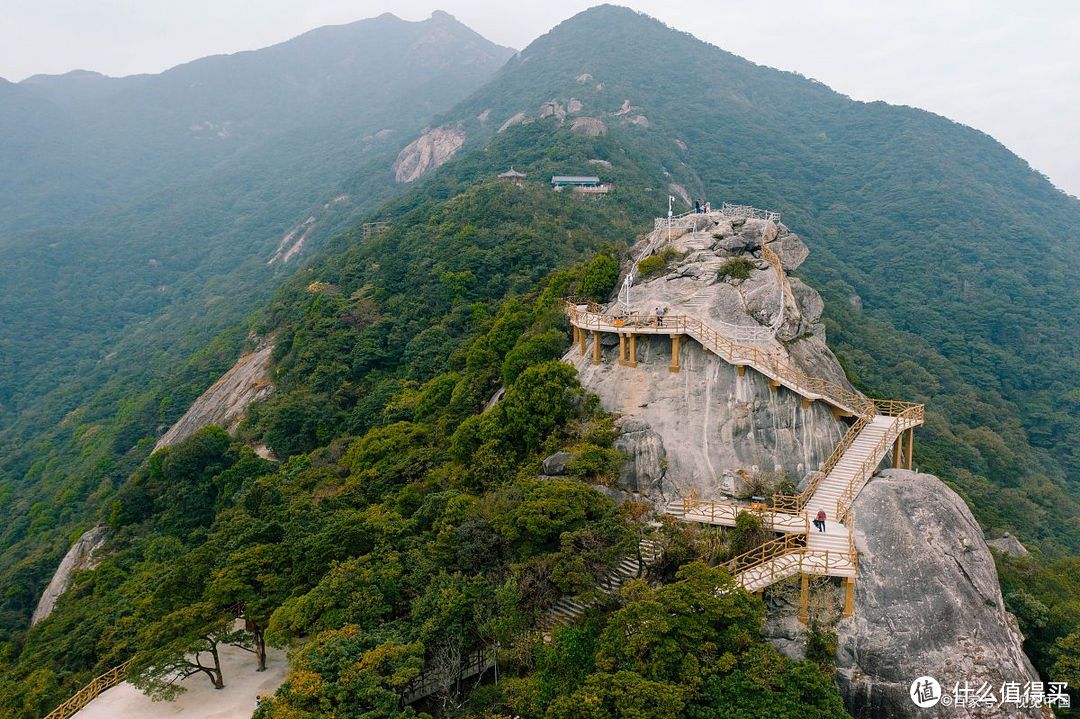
(706, 429)
(226, 401)
(79, 557)
(427, 152)
(927, 602)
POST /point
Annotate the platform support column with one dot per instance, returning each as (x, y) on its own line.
(632, 361)
(674, 353)
(849, 596)
(740, 370)
(910, 446)
(581, 341)
(595, 347)
(622, 348)
(804, 599)
(897, 451)
(806, 402)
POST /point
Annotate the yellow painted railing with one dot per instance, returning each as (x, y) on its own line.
(908, 416)
(766, 552)
(585, 317)
(88, 693)
(802, 559)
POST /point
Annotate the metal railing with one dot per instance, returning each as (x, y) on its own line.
(88, 693)
(747, 212)
(727, 209)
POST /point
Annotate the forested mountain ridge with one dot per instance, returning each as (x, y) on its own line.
(195, 175)
(404, 525)
(157, 236)
(150, 129)
(947, 242)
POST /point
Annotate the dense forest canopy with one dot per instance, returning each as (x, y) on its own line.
(404, 526)
(137, 241)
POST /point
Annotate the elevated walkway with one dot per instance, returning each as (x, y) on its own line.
(878, 427)
(566, 610)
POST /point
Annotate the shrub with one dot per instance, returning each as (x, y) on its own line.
(821, 646)
(749, 533)
(596, 464)
(737, 268)
(599, 277)
(654, 265)
(651, 266)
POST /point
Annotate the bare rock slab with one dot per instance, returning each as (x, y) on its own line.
(927, 602)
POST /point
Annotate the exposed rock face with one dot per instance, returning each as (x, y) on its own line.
(589, 126)
(679, 191)
(556, 464)
(705, 428)
(225, 402)
(698, 428)
(427, 152)
(573, 105)
(293, 241)
(553, 108)
(646, 458)
(513, 120)
(1010, 545)
(79, 557)
(927, 602)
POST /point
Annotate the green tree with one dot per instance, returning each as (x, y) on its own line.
(765, 684)
(179, 645)
(253, 581)
(598, 278)
(622, 695)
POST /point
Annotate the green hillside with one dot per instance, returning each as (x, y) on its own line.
(404, 527)
(168, 193)
(958, 252)
(135, 240)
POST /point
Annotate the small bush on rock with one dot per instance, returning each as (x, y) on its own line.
(737, 268)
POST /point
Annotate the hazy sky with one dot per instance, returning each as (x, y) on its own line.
(1010, 69)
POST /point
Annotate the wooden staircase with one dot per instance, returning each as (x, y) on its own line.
(566, 610)
(878, 426)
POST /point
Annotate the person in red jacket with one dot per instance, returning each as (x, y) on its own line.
(820, 521)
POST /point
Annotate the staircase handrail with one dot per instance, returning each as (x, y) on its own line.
(791, 545)
(732, 351)
(757, 556)
(90, 692)
(912, 412)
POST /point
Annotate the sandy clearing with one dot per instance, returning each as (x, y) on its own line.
(201, 701)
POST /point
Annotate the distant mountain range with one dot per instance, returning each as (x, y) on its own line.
(145, 239)
(151, 198)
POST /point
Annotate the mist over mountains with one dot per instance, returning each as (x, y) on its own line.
(161, 225)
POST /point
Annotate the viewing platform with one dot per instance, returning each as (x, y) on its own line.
(878, 427)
